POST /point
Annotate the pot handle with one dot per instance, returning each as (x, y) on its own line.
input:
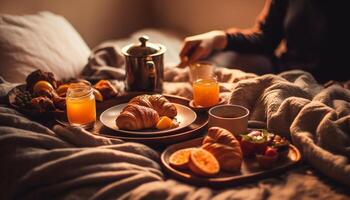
(152, 74)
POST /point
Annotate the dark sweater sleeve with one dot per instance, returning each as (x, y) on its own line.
(265, 36)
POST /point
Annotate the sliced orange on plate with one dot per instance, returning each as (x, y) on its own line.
(203, 163)
(180, 158)
(164, 123)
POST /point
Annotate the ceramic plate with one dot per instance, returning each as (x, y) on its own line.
(185, 117)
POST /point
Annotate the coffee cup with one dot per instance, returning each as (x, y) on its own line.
(234, 118)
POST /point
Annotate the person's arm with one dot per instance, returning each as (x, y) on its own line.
(265, 36)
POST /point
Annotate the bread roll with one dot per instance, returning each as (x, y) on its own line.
(157, 102)
(136, 117)
(225, 147)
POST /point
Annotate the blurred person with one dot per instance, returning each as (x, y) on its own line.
(312, 30)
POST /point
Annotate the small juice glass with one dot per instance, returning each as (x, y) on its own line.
(81, 105)
(206, 92)
(205, 86)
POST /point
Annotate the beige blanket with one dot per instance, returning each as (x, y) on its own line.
(38, 163)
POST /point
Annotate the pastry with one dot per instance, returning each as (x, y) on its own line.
(39, 75)
(225, 147)
(157, 102)
(42, 104)
(144, 111)
(136, 117)
(106, 88)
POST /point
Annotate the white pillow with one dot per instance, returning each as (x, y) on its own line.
(43, 41)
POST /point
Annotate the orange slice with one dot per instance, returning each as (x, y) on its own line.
(42, 85)
(98, 95)
(203, 163)
(164, 123)
(180, 158)
(62, 89)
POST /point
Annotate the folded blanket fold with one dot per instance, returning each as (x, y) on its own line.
(317, 121)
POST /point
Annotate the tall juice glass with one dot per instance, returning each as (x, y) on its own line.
(205, 86)
(81, 105)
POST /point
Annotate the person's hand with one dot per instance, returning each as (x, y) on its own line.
(200, 46)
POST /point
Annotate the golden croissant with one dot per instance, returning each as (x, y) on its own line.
(225, 147)
(136, 117)
(157, 102)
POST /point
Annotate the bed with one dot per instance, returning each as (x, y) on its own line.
(40, 162)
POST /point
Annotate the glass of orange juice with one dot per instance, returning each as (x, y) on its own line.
(205, 85)
(81, 105)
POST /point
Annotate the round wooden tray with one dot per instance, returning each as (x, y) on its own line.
(249, 171)
(196, 129)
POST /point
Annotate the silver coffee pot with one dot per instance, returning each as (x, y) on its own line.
(144, 65)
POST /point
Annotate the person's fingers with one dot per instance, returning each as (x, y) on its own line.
(199, 53)
(188, 47)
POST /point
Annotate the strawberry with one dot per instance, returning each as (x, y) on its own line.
(271, 152)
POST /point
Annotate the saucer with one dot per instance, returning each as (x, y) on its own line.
(203, 109)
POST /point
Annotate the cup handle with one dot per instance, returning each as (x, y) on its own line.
(152, 73)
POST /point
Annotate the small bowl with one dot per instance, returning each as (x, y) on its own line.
(204, 109)
(234, 118)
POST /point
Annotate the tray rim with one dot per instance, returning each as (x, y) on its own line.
(222, 181)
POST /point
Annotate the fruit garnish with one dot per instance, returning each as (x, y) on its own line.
(278, 141)
(62, 90)
(203, 163)
(271, 152)
(23, 99)
(282, 145)
(258, 136)
(248, 148)
(98, 95)
(42, 85)
(180, 158)
(255, 142)
(164, 123)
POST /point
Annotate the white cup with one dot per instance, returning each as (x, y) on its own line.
(234, 118)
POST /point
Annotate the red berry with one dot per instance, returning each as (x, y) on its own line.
(271, 152)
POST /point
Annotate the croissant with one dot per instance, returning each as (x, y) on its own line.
(225, 147)
(136, 117)
(157, 102)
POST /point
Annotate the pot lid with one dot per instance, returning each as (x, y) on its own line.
(144, 48)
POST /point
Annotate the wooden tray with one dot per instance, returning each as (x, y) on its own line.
(250, 170)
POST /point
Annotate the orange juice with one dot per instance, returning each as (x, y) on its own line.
(206, 92)
(81, 106)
